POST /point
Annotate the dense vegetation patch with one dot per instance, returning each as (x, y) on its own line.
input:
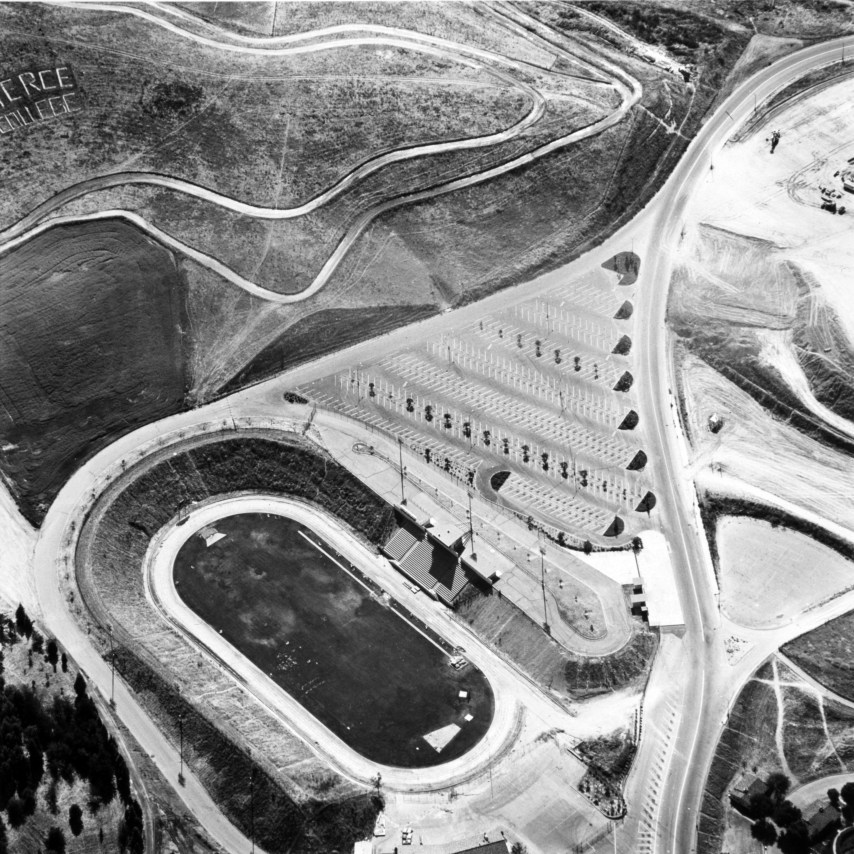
(679, 30)
(747, 729)
(64, 737)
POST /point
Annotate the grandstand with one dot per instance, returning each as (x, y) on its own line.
(434, 550)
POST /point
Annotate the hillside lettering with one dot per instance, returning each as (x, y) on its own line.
(33, 97)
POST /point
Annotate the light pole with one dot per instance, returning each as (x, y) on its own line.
(252, 804)
(112, 667)
(400, 456)
(543, 584)
(181, 747)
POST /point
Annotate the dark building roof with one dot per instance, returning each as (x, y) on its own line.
(819, 816)
(488, 848)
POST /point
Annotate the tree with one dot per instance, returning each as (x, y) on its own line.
(848, 793)
(795, 840)
(52, 653)
(16, 813)
(518, 848)
(785, 814)
(80, 685)
(55, 841)
(29, 801)
(37, 641)
(764, 832)
(761, 805)
(22, 622)
(4, 842)
(75, 819)
(833, 797)
(64, 663)
(777, 785)
(131, 831)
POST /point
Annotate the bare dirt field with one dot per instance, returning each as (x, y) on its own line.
(90, 347)
(767, 573)
(751, 444)
(782, 214)
(444, 250)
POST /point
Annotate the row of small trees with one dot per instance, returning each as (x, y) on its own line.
(779, 821)
(64, 737)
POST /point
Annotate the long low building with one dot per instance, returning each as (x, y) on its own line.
(660, 595)
(435, 550)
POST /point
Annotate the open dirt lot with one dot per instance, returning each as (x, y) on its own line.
(90, 347)
(769, 575)
(790, 343)
(751, 444)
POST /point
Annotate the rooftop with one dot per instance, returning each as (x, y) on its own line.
(485, 560)
(659, 581)
(439, 522)
(499, 847)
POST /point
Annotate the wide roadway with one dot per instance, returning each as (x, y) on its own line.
(708, 692)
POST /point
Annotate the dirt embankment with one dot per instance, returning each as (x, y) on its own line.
(825, 653)
(514, 634)
(731, 289)
(715, 507)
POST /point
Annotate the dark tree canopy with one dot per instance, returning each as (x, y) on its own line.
(55, 841)
(786, 813)
(764, 832)
(777, 784)
(75, 819)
